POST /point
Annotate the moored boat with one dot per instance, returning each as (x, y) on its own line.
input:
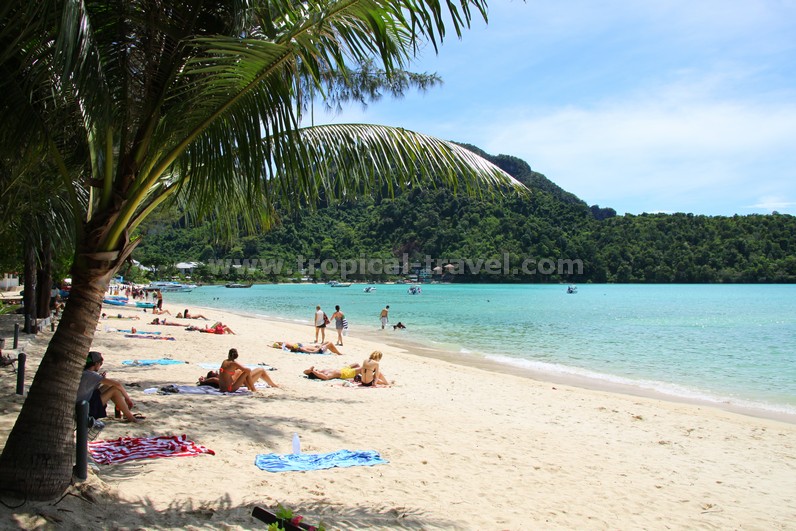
(166, 286)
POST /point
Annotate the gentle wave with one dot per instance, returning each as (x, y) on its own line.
(659, 387)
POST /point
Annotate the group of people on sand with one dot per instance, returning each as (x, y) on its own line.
(216, 328)
(97, 389)
(368, 374)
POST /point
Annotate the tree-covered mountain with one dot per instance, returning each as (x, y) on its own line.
(525, 234)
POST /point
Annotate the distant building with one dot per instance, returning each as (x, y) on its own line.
(10, 281)
(186, 268)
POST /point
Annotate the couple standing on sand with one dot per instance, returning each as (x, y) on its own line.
(321, 320)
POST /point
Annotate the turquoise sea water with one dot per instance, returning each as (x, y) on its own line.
(728, 344)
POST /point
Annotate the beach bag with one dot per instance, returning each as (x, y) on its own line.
(325, 319)
(345, 326)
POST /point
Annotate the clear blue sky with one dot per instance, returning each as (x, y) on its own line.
(639, 105)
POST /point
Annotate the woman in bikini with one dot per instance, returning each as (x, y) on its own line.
(370, 375)
(232, 375)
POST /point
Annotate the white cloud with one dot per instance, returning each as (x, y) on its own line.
(772, 203)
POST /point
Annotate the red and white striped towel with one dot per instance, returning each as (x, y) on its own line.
(129, 448)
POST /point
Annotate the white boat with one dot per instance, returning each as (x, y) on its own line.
(572, 289)
(369, 289)
(414, 290)
(165, 286)
(335, 284)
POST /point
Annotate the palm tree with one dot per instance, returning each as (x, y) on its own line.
(194, 100)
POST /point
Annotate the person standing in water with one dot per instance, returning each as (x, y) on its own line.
(384, 316)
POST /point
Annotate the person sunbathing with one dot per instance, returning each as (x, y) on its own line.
(217, 328)
(346, 373)
(186, 315)
(158, 311)
(118, 316)
(158, 321)
(232, 375)
(308, 349)
(210, 379)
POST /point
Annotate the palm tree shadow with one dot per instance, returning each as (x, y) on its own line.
(92, 504)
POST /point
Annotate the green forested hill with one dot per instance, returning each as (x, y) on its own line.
(549, 224)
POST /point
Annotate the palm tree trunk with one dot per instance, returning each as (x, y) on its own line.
(44, 282)
(29, 297)
(38, 457)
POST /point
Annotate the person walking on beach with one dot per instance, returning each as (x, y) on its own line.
(159, 295)
(384, 314)
(320, 324)
(338, 324)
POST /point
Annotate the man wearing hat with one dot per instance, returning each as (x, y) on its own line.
(97, 389)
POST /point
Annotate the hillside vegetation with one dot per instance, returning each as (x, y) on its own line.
(525, 235)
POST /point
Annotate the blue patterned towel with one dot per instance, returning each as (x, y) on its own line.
(299, 462)
(162, 361)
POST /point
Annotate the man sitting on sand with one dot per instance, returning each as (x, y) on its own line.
(97, 389)
(308, 349)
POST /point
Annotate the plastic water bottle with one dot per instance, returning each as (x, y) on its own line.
(296, 444)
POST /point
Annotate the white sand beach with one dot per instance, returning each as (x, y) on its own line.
(468, 448)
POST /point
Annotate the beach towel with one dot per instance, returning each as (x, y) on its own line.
(164, 338)
(130, 331)
(303, 462)
(162, 361)
(173, 389)
(129, 448)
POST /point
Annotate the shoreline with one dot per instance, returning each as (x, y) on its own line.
(408, 344)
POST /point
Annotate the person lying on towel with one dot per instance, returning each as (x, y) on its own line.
(217, 328)
(308, 349)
